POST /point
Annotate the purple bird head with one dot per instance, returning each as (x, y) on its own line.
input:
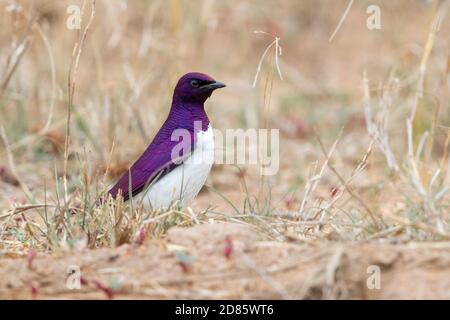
(195, 88)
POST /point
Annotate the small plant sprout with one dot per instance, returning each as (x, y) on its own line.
(228, 250)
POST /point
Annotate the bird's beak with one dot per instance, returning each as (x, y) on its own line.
(213, 86)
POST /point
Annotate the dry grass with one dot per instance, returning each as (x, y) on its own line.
(364, 119)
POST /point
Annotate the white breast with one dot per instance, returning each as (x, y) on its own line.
(183, 183)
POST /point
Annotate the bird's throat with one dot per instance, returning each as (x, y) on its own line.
(189, 115)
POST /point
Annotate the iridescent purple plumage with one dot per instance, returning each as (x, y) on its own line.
(188, 100)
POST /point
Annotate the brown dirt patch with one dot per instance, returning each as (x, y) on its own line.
(256, 269)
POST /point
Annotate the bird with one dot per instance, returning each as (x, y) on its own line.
(177, 162)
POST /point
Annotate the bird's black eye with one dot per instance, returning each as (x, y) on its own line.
(195, 83)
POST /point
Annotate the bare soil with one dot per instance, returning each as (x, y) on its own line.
(199, 263)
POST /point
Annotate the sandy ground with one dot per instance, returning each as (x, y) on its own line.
(234, 263)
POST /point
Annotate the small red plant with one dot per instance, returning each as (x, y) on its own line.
(140, 236)
(334, 191)
(106, 290)
(228, 250)
(33, 290)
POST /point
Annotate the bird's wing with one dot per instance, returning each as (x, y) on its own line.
(154, 163)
